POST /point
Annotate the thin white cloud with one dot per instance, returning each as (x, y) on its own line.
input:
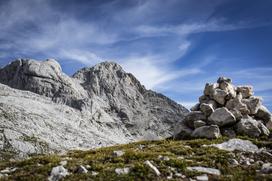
(183, 47)
(85, 57)
(190, 28)
(152, 73)
(57, 34)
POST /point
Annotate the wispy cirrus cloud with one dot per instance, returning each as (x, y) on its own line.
(158, 41)
(153, 74)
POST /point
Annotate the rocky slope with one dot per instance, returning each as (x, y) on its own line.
(43, 110)
(199, 159)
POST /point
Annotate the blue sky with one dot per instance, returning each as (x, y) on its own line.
(173, 46)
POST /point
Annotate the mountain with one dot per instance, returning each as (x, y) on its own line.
(43, 110)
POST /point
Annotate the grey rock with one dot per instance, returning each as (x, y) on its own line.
(219, 96)
(203, 99)
(223, 79)
(237, 144)
(250, 127)
(94, 173)
(193, 116)
(246, 91)
(222, 117)
(164, 158)
(210, 132)
(82, 169)
(264, 114)
(122, 171)
(202, 177)
(264, 130)
(155, 169)
(233, 162)
(253, 103)
(118, 153)
(195, 107)
(237, 114)
(58, 173)
(209, 88)
(207, 109)
(182, 131)
(207, 170)
(3, 175)
(199, 123)
(229, 132)
(213, 103)
(63, 162)
(229, 88)
(8, 170)
(269, 124)
(236, 105)
(266, 168)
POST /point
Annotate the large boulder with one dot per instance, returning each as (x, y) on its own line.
(253, 104)
(193, 116)
(199, 123)
(246, 91)
(210, 132)
(237, 144)
(264, 114)
(236, 104)
(223, 79)
(196, 107)
(219, 96)
(250, 127)
(207, 109)
(209, 88)
(221, 117)
(182, 131)
(229, 88)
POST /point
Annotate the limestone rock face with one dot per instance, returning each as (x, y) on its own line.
(44, 110)
(233, 109)
(44, 78)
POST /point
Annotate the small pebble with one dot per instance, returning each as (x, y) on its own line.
(82, 169)
(63, 162)
(118, 153)
(202, 177)
(121, 171)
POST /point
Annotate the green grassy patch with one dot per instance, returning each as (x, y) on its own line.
(180, 154)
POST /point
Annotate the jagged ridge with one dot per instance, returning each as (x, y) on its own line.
(99, 105)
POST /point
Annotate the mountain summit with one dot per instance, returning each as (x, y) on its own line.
(44, 110)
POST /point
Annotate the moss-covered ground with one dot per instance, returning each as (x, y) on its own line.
(181, 154)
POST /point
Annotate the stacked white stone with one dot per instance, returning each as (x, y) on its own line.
(226, 110)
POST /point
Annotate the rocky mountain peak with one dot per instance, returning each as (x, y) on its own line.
(99, 105)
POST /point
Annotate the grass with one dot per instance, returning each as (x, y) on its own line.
(181, 154)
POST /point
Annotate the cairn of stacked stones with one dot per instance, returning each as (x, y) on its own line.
(226, 110)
